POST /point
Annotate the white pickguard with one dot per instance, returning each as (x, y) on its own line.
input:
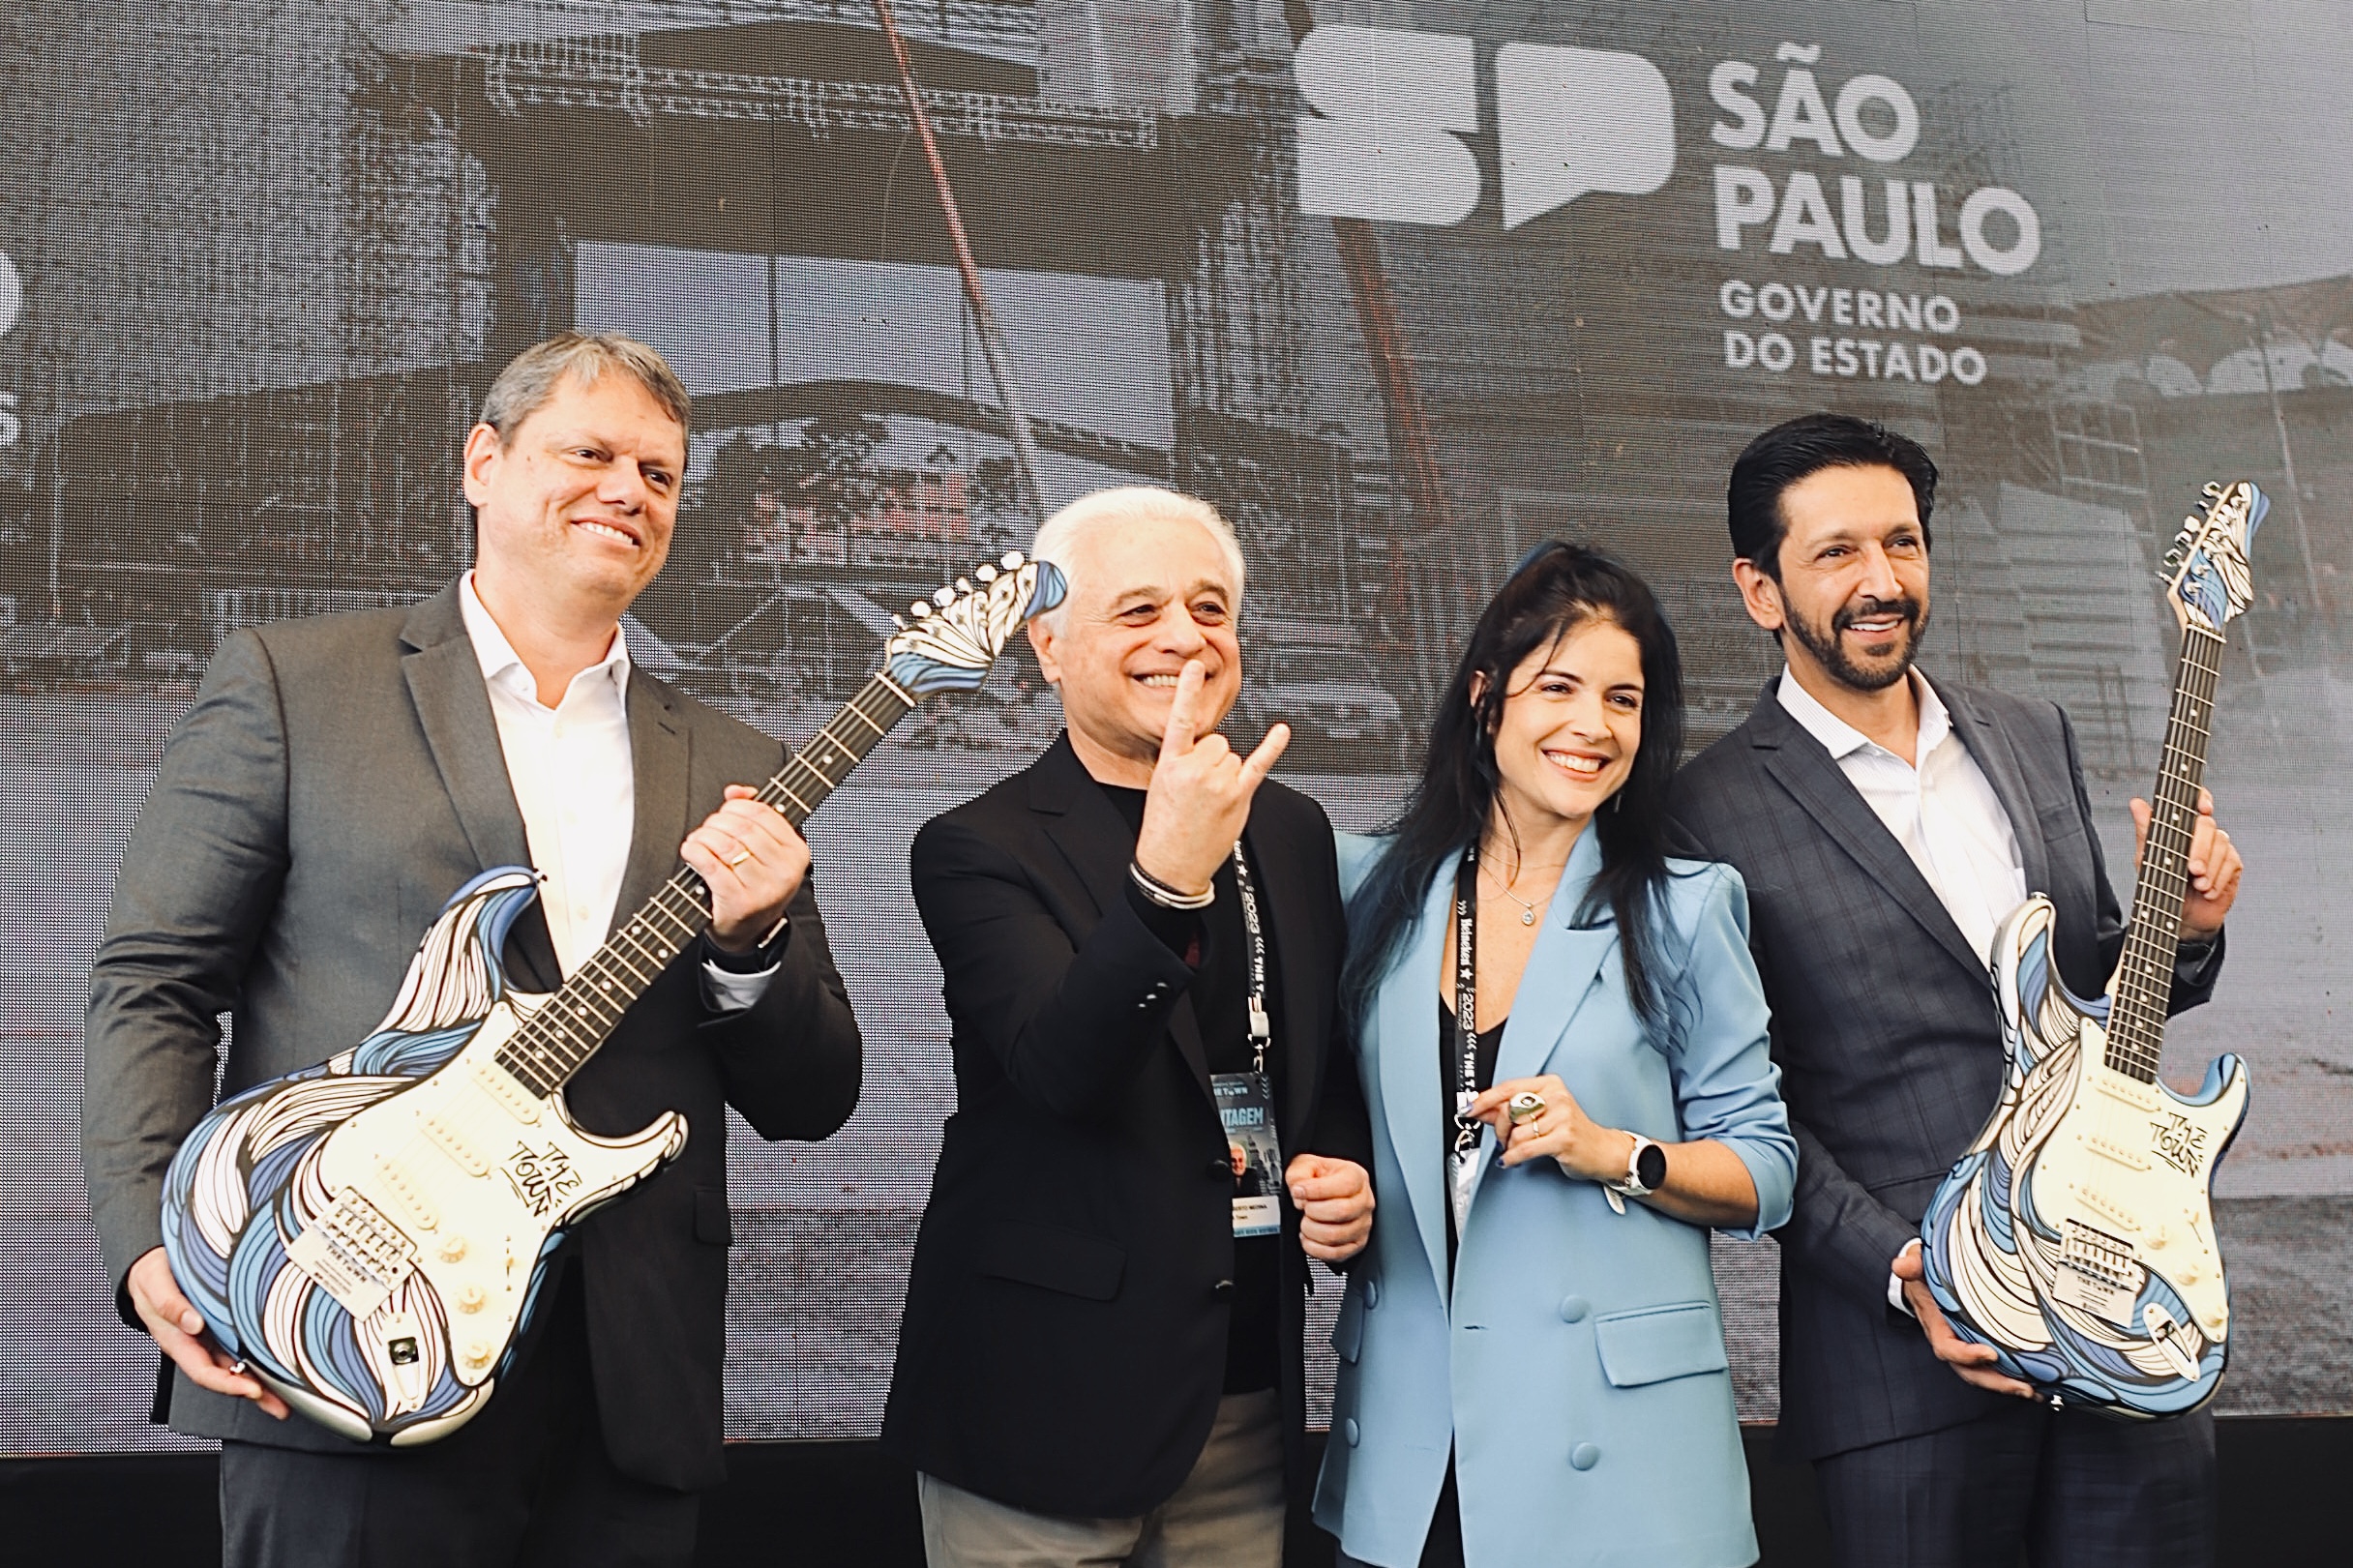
(473, 1172)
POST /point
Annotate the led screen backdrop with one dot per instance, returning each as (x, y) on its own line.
(1402, 286)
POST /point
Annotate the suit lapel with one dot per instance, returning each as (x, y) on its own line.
(1801, 767)
(659, 754)
(1412, 1075)
(1093, 842)
(454, 709)
(1999, 762)
(1560, 975)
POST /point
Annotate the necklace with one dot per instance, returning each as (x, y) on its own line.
(1528, 907)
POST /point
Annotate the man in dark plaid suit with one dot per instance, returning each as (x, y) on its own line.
(1885, 824)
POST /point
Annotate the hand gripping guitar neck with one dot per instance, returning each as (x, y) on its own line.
(2077, 1235)
(371, 1234)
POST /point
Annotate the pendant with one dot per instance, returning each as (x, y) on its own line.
(1528, 917)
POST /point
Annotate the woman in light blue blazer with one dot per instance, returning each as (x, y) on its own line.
(1532, 1358)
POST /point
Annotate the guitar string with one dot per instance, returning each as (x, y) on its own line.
(554, 1043)
(2135, 1035)
(2162, 883)
(590, 1005)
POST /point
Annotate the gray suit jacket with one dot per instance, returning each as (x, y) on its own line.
(1885, 1026)
(334, 783)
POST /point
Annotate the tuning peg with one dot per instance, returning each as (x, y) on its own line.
(1013, 560)
(898, 621)
(964, 585)
(919, 609)
(985, 571)
(944, 598)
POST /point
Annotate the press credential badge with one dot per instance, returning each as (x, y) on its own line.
(1245, 1104)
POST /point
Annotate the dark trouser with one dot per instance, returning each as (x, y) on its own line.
(523, 1484)
(2067, 1490)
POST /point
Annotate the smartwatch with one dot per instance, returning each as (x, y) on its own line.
(1646, 1169)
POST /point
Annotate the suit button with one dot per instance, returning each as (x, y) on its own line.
(1573, 1310)
(1353, 1435)
(1584, 1457)
(1223, 1290)
(1372, 1295)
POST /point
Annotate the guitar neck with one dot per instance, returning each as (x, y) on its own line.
(556, 1041)
(2144, 982)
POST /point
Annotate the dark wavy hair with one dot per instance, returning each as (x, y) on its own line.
(1557, 588)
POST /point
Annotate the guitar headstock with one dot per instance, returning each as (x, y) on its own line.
(959, 631)
(2208, 581)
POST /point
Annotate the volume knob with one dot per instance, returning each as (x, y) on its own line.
(471, 1298)
(478, 1352)
(452, 1248)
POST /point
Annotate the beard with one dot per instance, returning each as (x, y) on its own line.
(1828, 644)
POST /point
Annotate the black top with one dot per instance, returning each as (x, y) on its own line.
(1216, 943)
(1063, 1346)
(1449, 1074)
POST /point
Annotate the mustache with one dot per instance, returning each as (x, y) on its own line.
(1906, 607)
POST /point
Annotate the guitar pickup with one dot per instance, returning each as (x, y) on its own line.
(2131, 1159)
(449, 1142)
(504, 1087)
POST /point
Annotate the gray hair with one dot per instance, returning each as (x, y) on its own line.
(530, 380)
(1090, 513)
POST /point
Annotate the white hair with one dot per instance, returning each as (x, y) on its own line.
(1059, 539)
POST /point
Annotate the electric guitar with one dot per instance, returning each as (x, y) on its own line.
(369, 1235)
(2077, 1235)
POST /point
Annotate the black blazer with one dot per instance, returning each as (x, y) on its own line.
(1064, 1344)
(335, 782)
(1885, 1026)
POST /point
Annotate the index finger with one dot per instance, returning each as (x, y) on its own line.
(1184, 725)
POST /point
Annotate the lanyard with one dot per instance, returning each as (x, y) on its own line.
(1466, 1027)
(1261, 1028)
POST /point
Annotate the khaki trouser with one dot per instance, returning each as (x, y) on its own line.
(1229, 1513)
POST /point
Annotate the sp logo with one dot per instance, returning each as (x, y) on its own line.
(1391, 108)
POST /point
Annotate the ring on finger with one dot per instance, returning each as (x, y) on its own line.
(1525, 1105)
(739, 858)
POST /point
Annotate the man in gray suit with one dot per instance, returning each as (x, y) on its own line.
(1884, 825)
(334, 783)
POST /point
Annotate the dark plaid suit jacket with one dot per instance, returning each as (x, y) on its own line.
(1885, 1026)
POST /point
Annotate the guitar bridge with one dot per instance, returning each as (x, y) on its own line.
(2097, 1274)
(354, 1254)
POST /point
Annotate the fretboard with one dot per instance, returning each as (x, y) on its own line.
(558, 1040)
(2144, 982)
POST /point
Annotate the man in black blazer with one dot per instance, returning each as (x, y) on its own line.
(335, 782)
(1095, 1366)
(1884, 825)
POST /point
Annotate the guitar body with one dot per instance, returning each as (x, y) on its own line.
(369, 1235)
(2077, 1235)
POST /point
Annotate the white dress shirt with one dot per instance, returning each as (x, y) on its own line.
(1943, 811)
(571, 770)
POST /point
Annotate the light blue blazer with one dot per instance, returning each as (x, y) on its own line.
(1578, 1372)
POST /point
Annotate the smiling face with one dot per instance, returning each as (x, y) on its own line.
(576, 506)
(1145, 597)
(1852, 593)
(1570, 726)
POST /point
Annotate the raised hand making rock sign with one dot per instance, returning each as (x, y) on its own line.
(1201, 791)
